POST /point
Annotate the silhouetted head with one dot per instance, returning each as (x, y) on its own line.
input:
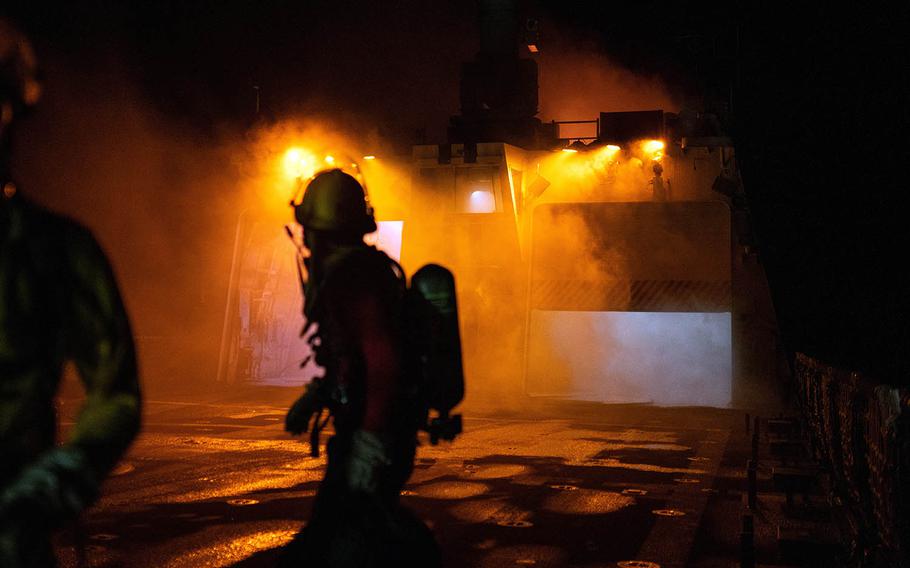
(19, 85)
(335, 206)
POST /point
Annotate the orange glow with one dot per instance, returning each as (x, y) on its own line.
(586, 502)
(609, 152)
(299, 163)
(453, 490)
(653, 146)
(653, 149)
(605, 157)
(236, 549)
(279, 159)
(604, 173)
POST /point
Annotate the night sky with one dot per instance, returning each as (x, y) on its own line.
(818, 111)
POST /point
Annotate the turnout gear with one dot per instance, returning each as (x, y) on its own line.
(359, 310)
(431, 345)
(427, 312)
(340, 275)
(368, 455)
(298, 418)
(59, 302)
(357, 519)
(58, 486)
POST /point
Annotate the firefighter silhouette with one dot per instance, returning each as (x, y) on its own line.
(355, 302)
(58, 302)
(660, 188)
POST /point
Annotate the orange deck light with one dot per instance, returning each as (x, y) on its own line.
(298, 163)
(654, 146)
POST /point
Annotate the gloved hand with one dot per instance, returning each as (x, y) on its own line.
(369, 454)
(298, 418)
(54, 489)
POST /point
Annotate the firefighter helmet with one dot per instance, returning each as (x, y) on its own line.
(19, 84)
(335, 201)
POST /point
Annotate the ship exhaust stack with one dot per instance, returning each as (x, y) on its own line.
(498, 87)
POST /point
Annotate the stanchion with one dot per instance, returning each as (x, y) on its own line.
(747, 543)
(752, 474)
(755, 435)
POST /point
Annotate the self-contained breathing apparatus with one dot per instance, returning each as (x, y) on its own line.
(333, 200)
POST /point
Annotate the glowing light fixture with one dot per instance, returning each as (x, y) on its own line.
(369, 157)
(533, 48)
(608, 152)
(298, 163)
(654, 146)
(570, 150)
(330, 159)
(604, 157)
(481, 201)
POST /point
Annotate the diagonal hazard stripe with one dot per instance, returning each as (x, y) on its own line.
(679, 295)
(579, 295)
(632, 296)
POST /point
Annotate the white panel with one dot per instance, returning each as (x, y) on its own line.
(271, 318)
(665, 358)
(387, 238)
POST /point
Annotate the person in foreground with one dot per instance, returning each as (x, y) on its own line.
(354, 299)
(59, 303)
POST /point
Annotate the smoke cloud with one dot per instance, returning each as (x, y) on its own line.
(164, 200)
(578, 82)
(171, 203)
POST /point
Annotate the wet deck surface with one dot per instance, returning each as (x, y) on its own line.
(222, 484)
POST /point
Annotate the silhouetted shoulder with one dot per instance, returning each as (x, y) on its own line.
(36, 236)
(63, 256)
(362, 273)
(32, 223)
(365, 270)
(366, 265)
(77, 245)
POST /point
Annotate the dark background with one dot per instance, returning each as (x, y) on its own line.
(815, 100)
